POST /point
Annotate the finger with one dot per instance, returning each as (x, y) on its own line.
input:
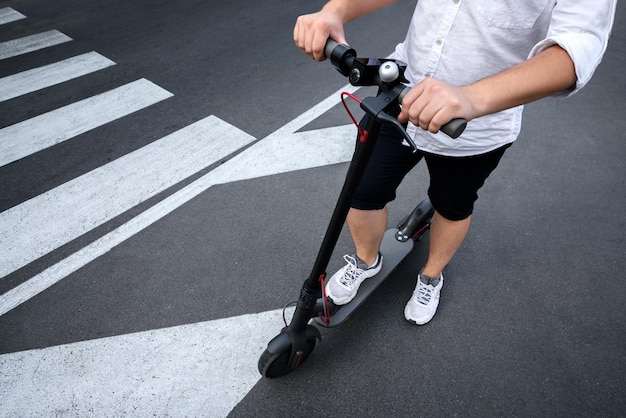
(339, 37)
(443, 116)
(308, 37)
(408, 101)
(428, 118)
(413, 105)
(318, 44)
(299, 31)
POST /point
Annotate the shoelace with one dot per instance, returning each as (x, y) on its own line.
(353, 272)
(424, 293)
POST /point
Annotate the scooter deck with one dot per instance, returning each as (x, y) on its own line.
(393, 252)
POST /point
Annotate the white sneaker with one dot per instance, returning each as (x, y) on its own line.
(423, 303)
(343, 285)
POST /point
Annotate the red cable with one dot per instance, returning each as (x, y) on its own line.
(362, 132)
(326, 315)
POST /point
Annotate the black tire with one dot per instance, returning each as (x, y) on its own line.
(277, 364)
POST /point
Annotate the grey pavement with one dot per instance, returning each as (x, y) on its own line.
(531, 315)
(531, 320)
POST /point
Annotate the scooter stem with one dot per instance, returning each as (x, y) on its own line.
(306, 307)
(356, 170)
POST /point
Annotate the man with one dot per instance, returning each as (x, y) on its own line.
(477, 60)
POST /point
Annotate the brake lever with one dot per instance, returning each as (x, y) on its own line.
(387, 118)
(453, 129)
(376, 106)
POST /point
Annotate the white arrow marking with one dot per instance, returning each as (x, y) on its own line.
(201, 369)
(280, 152)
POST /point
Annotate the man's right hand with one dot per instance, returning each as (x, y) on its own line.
(313, 30)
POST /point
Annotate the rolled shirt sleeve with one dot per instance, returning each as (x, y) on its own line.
(582, 28)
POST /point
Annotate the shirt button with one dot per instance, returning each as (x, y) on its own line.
(456, 1)
(439, 41)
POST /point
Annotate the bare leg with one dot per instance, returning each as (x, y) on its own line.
(367, 228)
(446, 237)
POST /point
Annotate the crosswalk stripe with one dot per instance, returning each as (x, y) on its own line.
(32, 43)
(43, 131)
(41, 77)
(8, 15)
(47, 221)
(202, 369)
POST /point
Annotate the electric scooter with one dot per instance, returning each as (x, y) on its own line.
(296, 341)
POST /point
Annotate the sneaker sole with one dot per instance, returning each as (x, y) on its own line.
(418, 321)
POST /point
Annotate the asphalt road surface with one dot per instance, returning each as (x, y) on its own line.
(167, 172)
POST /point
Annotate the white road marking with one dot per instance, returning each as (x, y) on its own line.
(37, 229)
(32, 43)
(43, 131)
(189, 370)
(8, 15)
(48, 75)
(49, 220)
(192, 370)
(201, 369)
(281, 152)
(288, 150)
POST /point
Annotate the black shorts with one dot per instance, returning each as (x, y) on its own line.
(454, 181)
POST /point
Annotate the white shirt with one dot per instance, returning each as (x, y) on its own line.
(463, 41)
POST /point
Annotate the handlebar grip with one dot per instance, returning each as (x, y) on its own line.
(341, 56)
(453, 129)
(328, 49)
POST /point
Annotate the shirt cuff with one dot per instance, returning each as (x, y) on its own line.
(584, 49)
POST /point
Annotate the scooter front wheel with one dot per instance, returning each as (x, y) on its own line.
(276, 364)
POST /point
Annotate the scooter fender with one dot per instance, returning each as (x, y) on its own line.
(286, 339)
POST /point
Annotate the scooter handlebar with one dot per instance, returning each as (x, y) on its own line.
(342, 57)
(330, 47)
